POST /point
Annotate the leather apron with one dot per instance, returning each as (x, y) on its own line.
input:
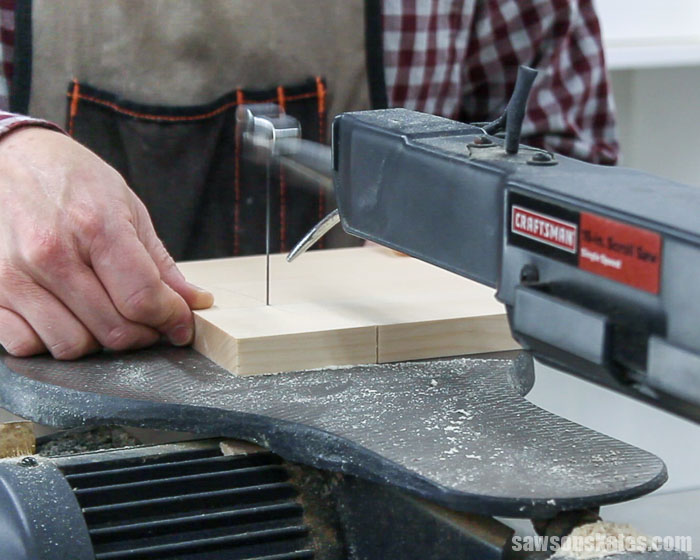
(152, 87)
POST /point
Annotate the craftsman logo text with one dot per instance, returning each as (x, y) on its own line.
(545, 229)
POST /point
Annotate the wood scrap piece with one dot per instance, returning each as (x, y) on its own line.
(340, 307)
(17, 439)
(239, 447)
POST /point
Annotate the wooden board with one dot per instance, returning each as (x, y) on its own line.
(340, 307)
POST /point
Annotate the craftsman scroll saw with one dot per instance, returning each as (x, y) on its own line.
(598, 270)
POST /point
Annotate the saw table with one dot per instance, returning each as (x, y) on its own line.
(458, 432)
(433, 428)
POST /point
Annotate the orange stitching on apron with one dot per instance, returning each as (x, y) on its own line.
(169, 118)
(282, 99)
(321, 93)
(237, 188)
(321, 100)
(74, 97)
(282, 102)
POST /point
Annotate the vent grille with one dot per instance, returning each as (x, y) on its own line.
(191, 505)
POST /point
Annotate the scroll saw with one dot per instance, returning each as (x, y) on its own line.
(597, 269)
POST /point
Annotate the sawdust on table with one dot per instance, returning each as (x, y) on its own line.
(602, 539)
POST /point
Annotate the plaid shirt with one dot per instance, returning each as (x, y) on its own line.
(459, 59)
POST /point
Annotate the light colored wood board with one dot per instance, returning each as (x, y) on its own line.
(330, 272)
(308, 350)
(444, 337)
(262, 339)
(329, 308)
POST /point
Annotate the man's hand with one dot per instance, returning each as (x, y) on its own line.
(81, 266)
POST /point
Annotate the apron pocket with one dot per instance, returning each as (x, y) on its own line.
(206, 201)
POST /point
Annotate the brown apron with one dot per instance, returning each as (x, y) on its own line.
(153, 85)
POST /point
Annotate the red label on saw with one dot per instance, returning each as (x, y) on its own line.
(543, 228)
(621, 252)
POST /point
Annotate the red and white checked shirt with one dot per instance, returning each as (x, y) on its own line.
(459, 59)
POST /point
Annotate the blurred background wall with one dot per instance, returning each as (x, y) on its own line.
(653, 53)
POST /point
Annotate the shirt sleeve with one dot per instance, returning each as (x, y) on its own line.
(12, 121)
